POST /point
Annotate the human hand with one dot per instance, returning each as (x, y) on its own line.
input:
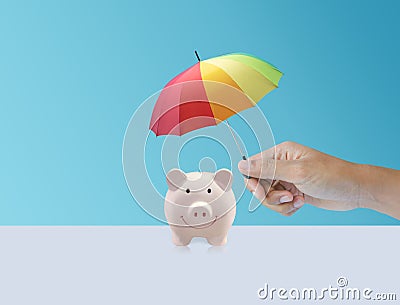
(302, 174)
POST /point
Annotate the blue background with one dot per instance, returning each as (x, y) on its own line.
(73, 72)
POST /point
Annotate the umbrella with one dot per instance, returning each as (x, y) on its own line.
(211, 91)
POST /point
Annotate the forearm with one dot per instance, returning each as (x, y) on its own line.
(380, 189)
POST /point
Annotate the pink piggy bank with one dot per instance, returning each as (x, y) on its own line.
(200, 204)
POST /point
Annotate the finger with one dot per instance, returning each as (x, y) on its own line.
(271, 185)
(282, 208)
(266, 154)
(262, 190)
(278, 197)
(290, 171)
(298, 201)
(291, 213)
(286, 208)
(254, 186)
(279, 186)
(251, 184)
(279, 201)
(280, 151)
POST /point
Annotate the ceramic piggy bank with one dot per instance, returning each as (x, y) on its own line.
(200, 204)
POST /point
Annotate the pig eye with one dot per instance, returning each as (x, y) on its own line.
(187, 191)
(209, 191)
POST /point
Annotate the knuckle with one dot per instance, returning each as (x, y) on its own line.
(288, 144)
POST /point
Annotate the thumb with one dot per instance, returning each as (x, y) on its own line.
(286, 170)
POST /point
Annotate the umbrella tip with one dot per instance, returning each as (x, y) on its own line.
(197, 55)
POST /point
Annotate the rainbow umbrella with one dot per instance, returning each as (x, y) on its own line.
(211, 91)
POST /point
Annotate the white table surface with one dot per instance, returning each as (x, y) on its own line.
(140, 265)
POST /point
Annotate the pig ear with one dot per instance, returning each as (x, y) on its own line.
(175, 178)
(224, 179)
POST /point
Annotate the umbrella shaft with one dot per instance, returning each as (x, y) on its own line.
(236, 141)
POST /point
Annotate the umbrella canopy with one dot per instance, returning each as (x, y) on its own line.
(211, 91)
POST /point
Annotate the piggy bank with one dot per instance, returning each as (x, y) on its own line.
(200, 204)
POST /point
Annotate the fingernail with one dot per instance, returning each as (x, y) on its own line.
(298, 204)
(244, 164)
(284, 199)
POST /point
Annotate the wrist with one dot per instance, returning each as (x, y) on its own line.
(379, 189)
(367, 195)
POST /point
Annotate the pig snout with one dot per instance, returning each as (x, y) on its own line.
(199, 212)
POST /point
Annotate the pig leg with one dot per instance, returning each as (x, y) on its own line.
(217, 240)
(180, 240)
